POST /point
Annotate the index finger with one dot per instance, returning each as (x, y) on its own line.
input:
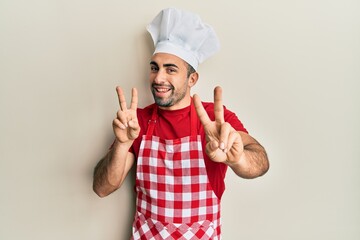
(218, 106)
(202, 114)
(134, 99)
(122, 100)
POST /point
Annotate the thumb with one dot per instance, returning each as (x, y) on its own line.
(133, 124)
(214, 153)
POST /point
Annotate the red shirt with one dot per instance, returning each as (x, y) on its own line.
(176, 124)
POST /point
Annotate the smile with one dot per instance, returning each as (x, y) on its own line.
(162, 89)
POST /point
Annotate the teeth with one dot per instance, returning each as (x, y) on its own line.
(162, 89)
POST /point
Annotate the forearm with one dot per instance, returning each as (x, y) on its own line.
(253, 161)
(111, 171)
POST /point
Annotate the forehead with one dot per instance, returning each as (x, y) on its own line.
(166, 58)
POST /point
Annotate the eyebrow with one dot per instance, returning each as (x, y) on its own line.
(164, 65)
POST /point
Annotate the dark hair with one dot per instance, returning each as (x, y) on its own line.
(190, 70)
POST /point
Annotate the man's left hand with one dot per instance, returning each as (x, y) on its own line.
(224, 143)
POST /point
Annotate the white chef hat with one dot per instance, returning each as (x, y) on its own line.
(184, 35)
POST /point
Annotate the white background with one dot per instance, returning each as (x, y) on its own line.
(289, 69)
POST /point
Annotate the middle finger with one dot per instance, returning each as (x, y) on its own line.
(218, 106)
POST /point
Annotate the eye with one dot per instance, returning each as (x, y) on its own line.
(171, 70)
(153, 68)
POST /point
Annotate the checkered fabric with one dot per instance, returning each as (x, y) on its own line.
(174, 197)
(152, 229)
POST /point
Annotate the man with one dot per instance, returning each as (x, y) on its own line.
(180, 145)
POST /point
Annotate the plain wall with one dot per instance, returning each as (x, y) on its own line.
(289, 69)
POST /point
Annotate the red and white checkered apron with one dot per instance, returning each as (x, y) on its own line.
(174, 197)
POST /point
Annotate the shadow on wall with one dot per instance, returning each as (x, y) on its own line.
(143, 51)
(129, 219)
(125, 199)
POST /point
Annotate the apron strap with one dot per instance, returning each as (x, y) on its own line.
(152, 121)
(193, 119)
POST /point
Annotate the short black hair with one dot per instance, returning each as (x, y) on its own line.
(190, 70)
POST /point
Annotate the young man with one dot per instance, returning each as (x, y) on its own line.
(180, 145)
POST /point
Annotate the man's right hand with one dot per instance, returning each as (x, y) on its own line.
(126, 126)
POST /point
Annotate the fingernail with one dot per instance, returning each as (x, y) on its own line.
(222, 146)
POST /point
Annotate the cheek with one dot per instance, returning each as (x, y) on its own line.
(151, 77)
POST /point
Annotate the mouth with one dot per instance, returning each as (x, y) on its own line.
(160, 89)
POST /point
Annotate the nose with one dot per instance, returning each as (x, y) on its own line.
(159, 77)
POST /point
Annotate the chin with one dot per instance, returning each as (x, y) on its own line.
(163, 103)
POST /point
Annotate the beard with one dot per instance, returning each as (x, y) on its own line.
(175, 95)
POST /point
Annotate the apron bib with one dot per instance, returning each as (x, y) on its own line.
(174, 197)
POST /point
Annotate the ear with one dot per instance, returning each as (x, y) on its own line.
(193, 79)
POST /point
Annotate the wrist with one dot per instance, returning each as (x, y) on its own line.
(236, 163)
(122, 145)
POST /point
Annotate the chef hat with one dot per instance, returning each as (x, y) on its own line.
(183, 34)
